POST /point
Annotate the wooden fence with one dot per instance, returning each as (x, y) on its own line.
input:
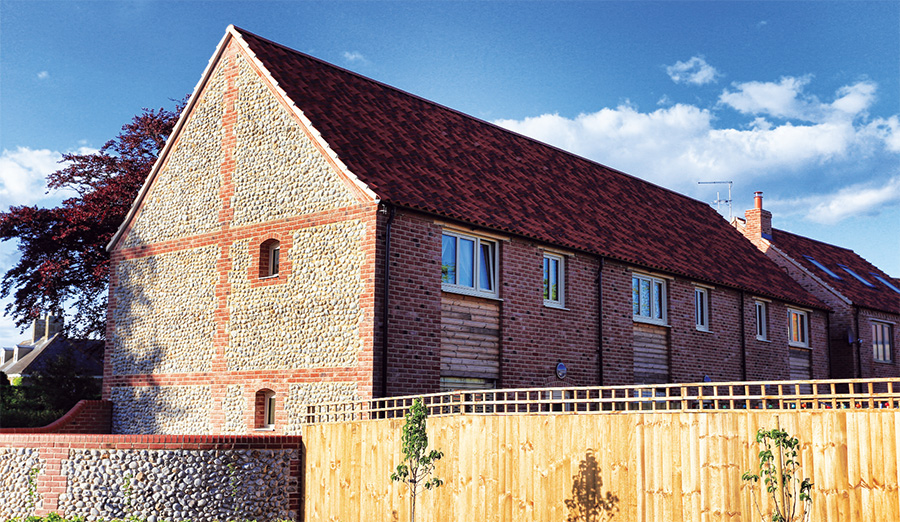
(628, 463)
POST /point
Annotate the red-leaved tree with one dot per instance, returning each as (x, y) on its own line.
(64, 262)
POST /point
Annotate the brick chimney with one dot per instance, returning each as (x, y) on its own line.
(759, 221)
(47, 326)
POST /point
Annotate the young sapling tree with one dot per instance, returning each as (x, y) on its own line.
(418, 462)
(779, 468)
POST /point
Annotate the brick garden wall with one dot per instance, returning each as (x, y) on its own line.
(200, 478)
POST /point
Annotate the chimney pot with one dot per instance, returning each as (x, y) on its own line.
(757, 200)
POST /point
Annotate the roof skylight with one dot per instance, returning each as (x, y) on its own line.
(886, 282)
(823, 268)
(857, 276)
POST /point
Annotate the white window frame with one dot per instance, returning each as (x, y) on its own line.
(547, 260)
(883, 351)
(657, 286)
(274, 259)
(476, 289)
(701, 308)
(762, 320)
(269, 411)
(803, 342)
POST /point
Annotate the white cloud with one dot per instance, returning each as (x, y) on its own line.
(780, 99)
(787, 99)
(854, 200)
(355, 57)
(23, 174)
(855, 99)
(43, 75)
(695, 71)
(676, 146)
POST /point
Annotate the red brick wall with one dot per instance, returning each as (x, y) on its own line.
(536, 337)
(84, 417)
(414, 323)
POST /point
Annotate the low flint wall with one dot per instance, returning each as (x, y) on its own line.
(154, 477)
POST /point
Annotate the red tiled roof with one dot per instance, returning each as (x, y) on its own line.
(418, 154)
(878, 296)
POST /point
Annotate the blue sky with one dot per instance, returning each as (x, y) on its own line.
(800, 100)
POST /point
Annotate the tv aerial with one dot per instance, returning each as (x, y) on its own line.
(718, 202)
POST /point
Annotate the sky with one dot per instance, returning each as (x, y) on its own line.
(799, 100)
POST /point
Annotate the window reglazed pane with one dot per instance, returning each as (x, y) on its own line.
(635, 296)
(274, 253)
(546, 278)
(448, 260)
(465, 270)
(657, 300)
(645, 298)
(554, 279)
(486, 267)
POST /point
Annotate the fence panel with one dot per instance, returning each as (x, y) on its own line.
(637, 466)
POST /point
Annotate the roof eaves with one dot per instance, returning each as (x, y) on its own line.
(298, 113)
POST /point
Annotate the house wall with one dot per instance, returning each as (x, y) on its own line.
(847, 323)
(195, 329)
(870, 367)
(435, 333)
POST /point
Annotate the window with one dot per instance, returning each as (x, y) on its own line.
(823, 268)
(274, 254)
(797, 328)
(857, 276)
(469, 264)
(648, 299)
(762, 321)
(269, 258)
(701, 308)
(882, 342)
(554, 280)
(265, 410)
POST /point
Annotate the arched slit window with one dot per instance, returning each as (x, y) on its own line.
(265, 410)
(269, 258)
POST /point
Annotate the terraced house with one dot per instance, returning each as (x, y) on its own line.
(309, 235)
(863, 327)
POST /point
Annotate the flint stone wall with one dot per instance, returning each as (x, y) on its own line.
(19, 469)
(165, 313)
(278, 171)
(202, 486)
(161, 409)
(184, 198)
(311, 321)
(164, 478)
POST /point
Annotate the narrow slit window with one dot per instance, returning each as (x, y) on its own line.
(761, 321)
(701, 308)
(554, 280)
